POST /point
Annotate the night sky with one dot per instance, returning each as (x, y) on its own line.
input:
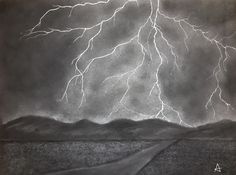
(178, 57)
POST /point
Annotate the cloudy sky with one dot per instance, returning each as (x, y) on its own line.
(103, 60)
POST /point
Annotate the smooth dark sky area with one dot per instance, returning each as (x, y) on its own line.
(166, 59)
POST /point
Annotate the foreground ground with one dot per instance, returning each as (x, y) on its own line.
(188, 156)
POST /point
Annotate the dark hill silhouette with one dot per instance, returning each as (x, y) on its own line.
(224, 129)
(42, 128)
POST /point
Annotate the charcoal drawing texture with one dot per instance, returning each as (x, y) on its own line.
(126, 86)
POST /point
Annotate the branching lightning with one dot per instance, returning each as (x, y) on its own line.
(155, 29)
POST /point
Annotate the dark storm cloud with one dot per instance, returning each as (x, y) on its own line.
(191, 88)
(121, 29)
(102, 96)
(212, 15)
(34, 71)
(229, 83)
(31, 70)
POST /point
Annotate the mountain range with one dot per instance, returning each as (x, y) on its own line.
(42, 128)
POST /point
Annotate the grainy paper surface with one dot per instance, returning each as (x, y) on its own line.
(122, 87)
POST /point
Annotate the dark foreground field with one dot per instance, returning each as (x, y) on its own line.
(188, 157)
(39, 146)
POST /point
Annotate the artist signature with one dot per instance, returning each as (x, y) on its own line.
(218, 168)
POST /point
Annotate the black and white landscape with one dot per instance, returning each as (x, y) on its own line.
(126, 87)
(37, 145)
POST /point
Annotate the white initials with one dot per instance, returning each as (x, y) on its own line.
(217, 168)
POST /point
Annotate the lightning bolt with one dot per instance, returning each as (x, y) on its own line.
(218, 68)
(157, 55)
(157, 83)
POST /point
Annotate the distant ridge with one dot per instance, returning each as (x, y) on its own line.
(42, 128)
